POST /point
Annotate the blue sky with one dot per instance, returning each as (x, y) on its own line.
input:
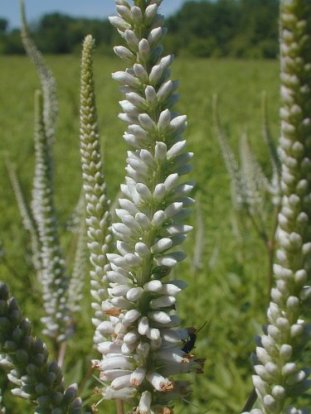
(88, 8)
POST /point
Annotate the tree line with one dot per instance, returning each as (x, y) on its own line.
(205, 28)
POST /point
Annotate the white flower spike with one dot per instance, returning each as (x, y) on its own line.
(142, 342)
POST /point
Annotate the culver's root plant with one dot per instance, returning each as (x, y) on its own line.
(255, 196)
(280, 374)
(139, 335)
(141, 353)
(97, 203)
(61, 292)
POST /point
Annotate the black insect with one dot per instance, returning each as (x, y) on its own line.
(189, 343)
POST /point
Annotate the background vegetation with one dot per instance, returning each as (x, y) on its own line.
(202, 28)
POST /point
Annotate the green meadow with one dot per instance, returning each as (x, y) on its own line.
(228, 292)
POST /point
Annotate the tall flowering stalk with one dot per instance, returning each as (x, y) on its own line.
(47, 81)
(142, 342)
(29, 222)
(54, 279)
(97, 203)
(252, 192)
(79, 271)
(50, 110)
(280, 375)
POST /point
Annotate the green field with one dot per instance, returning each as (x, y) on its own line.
(229, 291)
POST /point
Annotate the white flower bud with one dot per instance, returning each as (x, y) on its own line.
(165, 90)
(146, 122)
(144, 48)
(260, 385)
(131, 38)
(159, 191)
(151, 95)
(122, 394)
(178, 122)
(119, 23)
(128, 107)
(269, 401)
(289, 369)
(125, 78)
(162, 245)
(134, 294)
(121, 382)
(162, 302)
(119, 290)
(144, 191)
(263, 355)
(278, 392)
(111, 374)
(144, 403)
(115, 362)
(160, 317)
(131, 338)
(151, 11)
(136, 13)
(143, 326)
(123, 53)
(106, 328)
(296, 330)
(137, 377)
(160, 383)
(155, 35)
(176, 149)
(140, 72)
(153, 286)
(158, 218)
(127, 349)
(271, 368)
(164, 119)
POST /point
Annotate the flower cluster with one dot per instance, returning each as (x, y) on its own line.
(97, 204)
(34, 377)
(279, 374)
(79, 271)
(29, 222)
(47, 81)
(53, 277)
(142, 344)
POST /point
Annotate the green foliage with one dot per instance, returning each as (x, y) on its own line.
(238, 28)
(205, 28)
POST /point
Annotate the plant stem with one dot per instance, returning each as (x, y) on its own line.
(120, 407)
(85, 379)
(250, 401)
(61, 354)
(271, 250)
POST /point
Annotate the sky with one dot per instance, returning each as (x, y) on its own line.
(9, 9)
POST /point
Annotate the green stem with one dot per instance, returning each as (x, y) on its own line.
(250, 401)
(85, 379)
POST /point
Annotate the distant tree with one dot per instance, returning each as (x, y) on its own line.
(53, 35)
(12, 43)
(258, 25)
(240, 28)
(4, 24)
(201, 28)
